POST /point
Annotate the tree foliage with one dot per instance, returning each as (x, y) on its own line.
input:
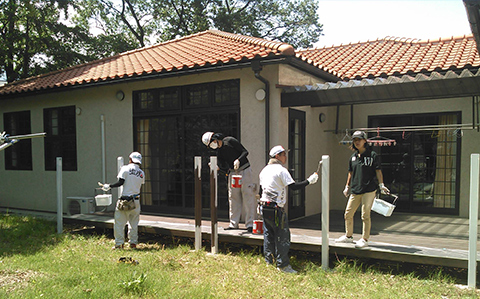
(35, 40)
(42, 35)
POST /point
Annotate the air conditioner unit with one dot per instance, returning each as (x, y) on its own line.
(80, 205)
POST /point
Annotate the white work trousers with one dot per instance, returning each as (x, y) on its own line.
(121, 219)
(242, 200)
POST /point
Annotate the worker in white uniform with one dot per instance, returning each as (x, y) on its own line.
(232, 159)
(131, 177)
(274, 179)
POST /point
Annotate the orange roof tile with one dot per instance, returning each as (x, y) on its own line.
(394, 56)
(208, 48)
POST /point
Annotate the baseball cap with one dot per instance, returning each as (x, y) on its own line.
(136, 157)
(359, 134)
(276, 150)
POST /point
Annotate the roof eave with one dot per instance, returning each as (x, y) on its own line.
(149, 76)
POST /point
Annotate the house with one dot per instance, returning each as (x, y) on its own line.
(159, 100)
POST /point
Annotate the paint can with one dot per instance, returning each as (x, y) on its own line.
(236, 181)
(257, 227)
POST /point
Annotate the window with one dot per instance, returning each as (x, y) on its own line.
(61, 139)
(18, 156)
(169, 123)
(198, 96)
(423, 167)
(227, 92)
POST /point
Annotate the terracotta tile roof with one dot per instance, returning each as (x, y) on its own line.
(204, 49)
(394, 56)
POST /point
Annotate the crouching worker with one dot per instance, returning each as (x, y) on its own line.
(127, 209)
(274, 179)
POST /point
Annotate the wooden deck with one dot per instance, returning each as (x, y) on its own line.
(423, 239)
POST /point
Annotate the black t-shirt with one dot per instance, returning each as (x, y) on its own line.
(231, 150)
(363, 171)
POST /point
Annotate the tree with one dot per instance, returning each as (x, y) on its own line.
(293, 22)
(34, 41)
(39, 36)
(145, 22)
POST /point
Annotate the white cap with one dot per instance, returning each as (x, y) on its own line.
(277, 149)
(136, 157)
(207, 137)
(359, 134)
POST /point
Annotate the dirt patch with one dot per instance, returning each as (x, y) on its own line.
(12, 280)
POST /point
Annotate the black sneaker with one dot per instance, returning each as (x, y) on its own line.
(229, 228)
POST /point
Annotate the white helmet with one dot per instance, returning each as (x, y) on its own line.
(207, 138)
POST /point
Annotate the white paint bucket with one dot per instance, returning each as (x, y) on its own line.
(103, 199)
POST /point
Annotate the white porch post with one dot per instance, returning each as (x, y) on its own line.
(473, 220)
(325, 209)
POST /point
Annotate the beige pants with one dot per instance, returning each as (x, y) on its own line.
(354, 201)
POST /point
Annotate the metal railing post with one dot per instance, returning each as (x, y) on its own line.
(473, 220)
(213, 203)
(198, 202)
(325, 209)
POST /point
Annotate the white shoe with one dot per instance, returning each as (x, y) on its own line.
(287, 269)
(344, 239)
(362, 243)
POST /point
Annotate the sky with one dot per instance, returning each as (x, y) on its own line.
(351, 21)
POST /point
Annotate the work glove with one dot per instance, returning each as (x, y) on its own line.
(383, 189)
(3, 137)
(346, 191)
(312, 179)
(106, 187)
(236, 164)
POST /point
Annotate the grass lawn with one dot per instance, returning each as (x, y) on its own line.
(35, 262)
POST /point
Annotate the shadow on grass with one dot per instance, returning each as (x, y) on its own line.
(26, 234)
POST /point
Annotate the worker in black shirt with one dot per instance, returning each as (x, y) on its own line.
(363, 175)
(232, 159)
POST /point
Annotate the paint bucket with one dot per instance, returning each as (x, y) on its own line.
(257, 227)
(236, 181)
(103, 199)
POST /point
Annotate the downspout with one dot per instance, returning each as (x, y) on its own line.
(102, 130)
(256, 67)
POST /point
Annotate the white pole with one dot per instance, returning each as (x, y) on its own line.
(104, 164)
(119, 165)
(59, 196)
(473, 219)
(213, 172)
(198, 203)
(325, 209)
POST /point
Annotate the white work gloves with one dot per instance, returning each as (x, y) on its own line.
(346, 191)
(106, 187)
(313, 178)
(236, 164)
(383, 189)
(2, 137)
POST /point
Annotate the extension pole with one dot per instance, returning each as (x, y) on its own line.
(473, 220)
(213, 203)
(325, 209)
(198, 202)
(59, 196)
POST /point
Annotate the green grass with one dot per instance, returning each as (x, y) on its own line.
(35, 262)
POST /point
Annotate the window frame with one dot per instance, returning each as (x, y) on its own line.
(23, 149)
(59, 140)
